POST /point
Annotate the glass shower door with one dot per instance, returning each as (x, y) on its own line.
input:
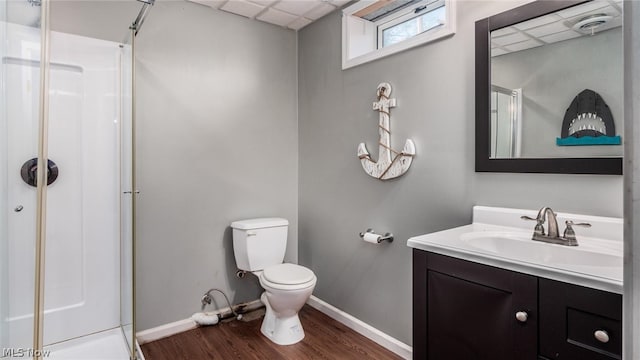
(19, 126)
(126, 192)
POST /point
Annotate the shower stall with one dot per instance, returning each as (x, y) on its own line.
(66, 188)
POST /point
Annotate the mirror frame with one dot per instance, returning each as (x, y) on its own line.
(602, 165)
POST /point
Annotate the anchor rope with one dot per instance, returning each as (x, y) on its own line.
(368, 156)
(388, 148)
(392, 162)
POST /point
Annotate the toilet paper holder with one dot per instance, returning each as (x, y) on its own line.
(386, 237)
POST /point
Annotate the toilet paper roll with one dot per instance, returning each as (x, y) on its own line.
(371, 237)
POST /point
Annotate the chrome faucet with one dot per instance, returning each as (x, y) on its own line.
(547, 215)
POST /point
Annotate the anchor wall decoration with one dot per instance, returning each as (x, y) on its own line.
(386, 167)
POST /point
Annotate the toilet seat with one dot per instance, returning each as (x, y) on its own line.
(287, 277)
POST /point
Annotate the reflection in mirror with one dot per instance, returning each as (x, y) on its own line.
(553, 58)
(506, 112)
(566, 57)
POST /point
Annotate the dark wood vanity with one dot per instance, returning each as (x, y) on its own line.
(464, 311)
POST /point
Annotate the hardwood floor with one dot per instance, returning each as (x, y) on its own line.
(325, 338)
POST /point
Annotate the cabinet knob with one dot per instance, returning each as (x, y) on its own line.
(601, 336)
(522, 316)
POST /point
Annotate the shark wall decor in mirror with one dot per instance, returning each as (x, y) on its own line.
(549, 88)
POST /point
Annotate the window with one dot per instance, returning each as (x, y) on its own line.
(374, 29)
(416, 21)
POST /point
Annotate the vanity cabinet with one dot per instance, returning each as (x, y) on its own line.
(465, 310)
(570, 316)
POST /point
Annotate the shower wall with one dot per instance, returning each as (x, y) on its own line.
(82, 278)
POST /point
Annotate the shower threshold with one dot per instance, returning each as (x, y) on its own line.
(105, 345)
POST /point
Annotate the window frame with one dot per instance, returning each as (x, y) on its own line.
(360, 36)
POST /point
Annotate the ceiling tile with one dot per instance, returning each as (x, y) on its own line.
(561, 36)
(296, 7)
(548, 29)
(211, 3)
(539, 21)
(277, 17)
(609, 10)
(523, 45)
(242, 8)
(339, 3)
(503, 32)
(510, 39)
(263, 2)
(319, 11)
(582, 9)
(294, 14)
(299, 23)
(498, 52)
(613, 23)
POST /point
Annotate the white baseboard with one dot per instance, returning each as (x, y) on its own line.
(396, 346)
(166, 330)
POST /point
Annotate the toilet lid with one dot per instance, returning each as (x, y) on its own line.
(288, 274)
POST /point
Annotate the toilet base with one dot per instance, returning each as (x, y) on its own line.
(283, 330)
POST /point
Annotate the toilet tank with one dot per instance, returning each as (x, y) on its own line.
(259, 243)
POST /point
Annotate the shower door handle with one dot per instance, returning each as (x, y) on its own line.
(29, 172)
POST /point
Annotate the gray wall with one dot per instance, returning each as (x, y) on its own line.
(217, 142)
(434, 85)
(101, 19)
(567, 67)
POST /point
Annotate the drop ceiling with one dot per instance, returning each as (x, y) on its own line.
(292, 14)
(555, 27)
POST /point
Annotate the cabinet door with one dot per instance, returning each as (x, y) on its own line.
(570, 316)
(467, 311)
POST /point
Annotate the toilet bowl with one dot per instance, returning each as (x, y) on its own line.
(287, 288)
(259, 246)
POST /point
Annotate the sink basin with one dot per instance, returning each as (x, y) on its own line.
(499, 237)
(519, 246)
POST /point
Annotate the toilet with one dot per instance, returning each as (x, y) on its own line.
(259, 246)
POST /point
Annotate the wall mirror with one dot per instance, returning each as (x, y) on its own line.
(372, 29)
(549, 88)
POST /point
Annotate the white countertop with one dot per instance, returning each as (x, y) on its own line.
(500, 222)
